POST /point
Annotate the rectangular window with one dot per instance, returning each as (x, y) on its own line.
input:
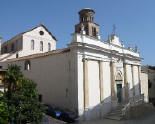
(16, 45)
(12, 47)
(32, 44)
(6, 49)
(40, 98)
(94, 31)
(41, 45)
(49, 47)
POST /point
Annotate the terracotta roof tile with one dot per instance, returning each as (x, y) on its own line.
(54, 52)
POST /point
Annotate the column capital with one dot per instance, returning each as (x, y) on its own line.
(84, 59)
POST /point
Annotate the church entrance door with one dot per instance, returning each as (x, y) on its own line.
(119, 92)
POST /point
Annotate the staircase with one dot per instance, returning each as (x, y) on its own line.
(115, 114)
(120, 112)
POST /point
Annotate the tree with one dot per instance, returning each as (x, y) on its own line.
(21, 97)
(3, 110)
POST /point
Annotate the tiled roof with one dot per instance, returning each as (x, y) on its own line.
(38, 55)
(9, 55)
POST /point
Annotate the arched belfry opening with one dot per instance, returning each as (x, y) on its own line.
(86, 18)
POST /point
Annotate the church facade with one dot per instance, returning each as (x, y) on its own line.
(90, 77)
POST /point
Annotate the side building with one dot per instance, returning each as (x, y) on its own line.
(36, 40)
(150, 70)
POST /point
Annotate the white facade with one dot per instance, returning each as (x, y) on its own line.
(95, 50)
(34, 35)
(60, 77)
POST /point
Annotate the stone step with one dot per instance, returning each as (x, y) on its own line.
(119, 107)
(117, 110)
(114, 113)
(114, 117)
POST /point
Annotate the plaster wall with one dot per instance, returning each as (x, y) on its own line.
(96, 108)
(34, 35)
(53, 77)
(151, 76)
(17, 45)
(106, 82)
(129, 80)
(144, 86)
(136, 80)
(93, 83)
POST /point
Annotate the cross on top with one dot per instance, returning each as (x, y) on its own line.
(114, 29)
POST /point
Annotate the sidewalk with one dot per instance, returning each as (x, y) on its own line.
(150, 119)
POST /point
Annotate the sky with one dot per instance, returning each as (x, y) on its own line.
(134, 19)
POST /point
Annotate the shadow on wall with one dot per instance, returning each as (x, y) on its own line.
(109, 104)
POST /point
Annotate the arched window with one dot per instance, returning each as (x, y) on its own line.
(49, 47)
(27, 65)
(41, 45)
(94, 31)
(32, 44)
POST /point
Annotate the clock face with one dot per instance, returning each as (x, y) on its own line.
(41, 33)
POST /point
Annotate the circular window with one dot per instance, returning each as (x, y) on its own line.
(41, 33)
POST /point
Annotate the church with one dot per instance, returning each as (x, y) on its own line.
(90, 77)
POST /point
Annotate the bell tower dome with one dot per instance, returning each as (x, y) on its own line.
(86, 17)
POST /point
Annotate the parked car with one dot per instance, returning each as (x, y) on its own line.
(67, 117)
(53, 111)
(60, 114)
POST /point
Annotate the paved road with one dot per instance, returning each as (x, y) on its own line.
(49, 120)
(150, 119)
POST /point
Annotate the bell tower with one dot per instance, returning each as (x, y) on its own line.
(86, 17)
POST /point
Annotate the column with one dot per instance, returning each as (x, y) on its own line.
(125, 81)
(133, 80)
(113, 94)
(85, 86)
(101, 80)
(139, 72)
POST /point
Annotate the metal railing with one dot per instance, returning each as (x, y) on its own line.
(133, 101)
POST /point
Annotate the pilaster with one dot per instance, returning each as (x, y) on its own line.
(101, 80)
(113, 94)
(86, 90)
(133, 80)
(139, 72)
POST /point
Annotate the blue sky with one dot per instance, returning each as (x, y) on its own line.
(134, 19)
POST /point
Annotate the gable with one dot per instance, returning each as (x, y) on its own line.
(40, 31)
